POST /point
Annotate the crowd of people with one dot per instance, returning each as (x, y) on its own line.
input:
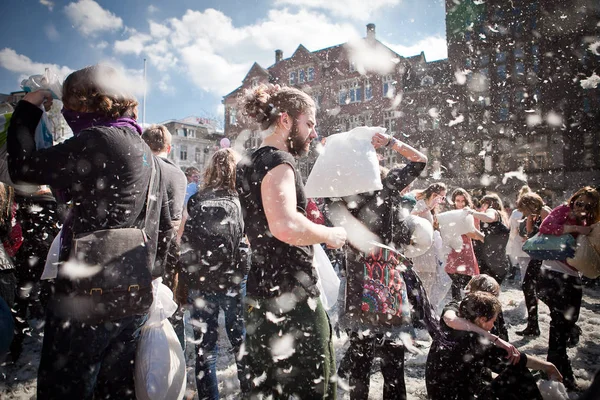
(240, 237)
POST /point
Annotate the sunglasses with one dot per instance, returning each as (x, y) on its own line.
(584, 205)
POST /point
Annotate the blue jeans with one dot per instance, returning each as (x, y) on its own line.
(81, 361)
(206, 332)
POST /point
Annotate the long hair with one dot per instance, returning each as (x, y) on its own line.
(594, 214)
(99, 89)
(531, 202)
(462, 192)
(219, 174)
(434, 188)
(266, 103)
(494, 201)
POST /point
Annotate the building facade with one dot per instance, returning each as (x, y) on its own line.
(194, 140)
(353, 84)
(521, 94)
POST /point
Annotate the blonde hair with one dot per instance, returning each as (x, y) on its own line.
(266, 103)
(96, 89)
(220, 172)
(524, 189)
(483, 283)
(434, 188)
(531, 202)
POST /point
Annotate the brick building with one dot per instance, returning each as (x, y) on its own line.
(519, 69)
(353, 84)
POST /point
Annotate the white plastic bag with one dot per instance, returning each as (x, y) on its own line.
(552, 390)
(348, 165)
(328, 281)
(160, 363)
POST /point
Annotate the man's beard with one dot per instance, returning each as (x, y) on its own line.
(296, 143)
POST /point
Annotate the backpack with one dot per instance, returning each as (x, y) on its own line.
(210, 250)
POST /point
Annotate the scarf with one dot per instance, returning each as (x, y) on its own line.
(80, 121)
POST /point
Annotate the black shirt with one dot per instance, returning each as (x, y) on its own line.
(277, 267)
(457, 365)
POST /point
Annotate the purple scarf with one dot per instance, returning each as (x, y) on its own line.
(81, 121)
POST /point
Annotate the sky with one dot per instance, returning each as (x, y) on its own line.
(197, 51)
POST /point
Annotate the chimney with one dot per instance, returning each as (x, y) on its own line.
(278, 56)
(371, 32)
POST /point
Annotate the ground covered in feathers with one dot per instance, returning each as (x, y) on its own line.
(19, 381)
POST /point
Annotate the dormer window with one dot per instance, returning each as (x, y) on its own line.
(293, 77)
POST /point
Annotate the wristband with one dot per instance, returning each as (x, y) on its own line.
(495, 340)
(391, 142)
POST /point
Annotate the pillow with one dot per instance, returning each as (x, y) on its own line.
(347, 165)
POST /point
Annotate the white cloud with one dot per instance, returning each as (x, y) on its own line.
(152, 9)
(435, 48)
(88, 17)
(47, 3)
(357, 9)
(158, 30)
(216, 54)
(51, 32)
(10, 60)
(164, 85)
(99, 45)
(134, 44)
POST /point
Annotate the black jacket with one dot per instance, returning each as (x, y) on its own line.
(105, 170)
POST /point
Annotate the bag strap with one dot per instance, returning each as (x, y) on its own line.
(152, 194)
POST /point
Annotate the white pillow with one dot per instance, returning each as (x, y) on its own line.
(347, 165)
(453, 224)
(421, 237)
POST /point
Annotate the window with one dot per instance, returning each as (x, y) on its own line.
(389, 122)
(354, 121)
(199, 156)
(301, 76)
(519, 68)
(501, 70)
(311, 74)
(191, 133)
(388, 86)
(254, 82)
(293, 76)
(183, 152)
(343, 95)
(355, 92)
(352, 67)
(501, 57)
(180, 132)
(368, 90)
(232, 116)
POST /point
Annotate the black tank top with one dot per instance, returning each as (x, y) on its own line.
(277, 267)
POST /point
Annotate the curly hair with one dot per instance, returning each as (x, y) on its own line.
(266, 103)
(98, 89)
(494, 201)
(220, 171)
(594, 196)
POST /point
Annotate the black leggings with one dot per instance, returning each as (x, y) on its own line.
(361, 354)
(562, 294)
(459, 281)
(529, 290)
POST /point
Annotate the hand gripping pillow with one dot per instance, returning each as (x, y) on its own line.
(348, 165)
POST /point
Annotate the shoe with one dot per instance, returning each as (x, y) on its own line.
(529, 332)
(573, 338)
